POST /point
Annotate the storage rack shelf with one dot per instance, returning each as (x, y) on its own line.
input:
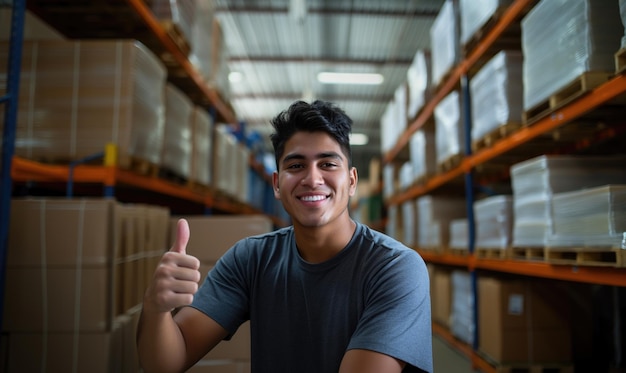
(607, 99)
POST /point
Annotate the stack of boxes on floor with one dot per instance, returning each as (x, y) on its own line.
(76, 273)
(553, 203)
(209, 240)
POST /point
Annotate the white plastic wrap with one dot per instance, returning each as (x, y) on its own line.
(589, 217)
(444, 41)
(449, 133)
(406, 176)
(563, 39)
(391, 227)
(494, 222)
(180, 13)
(462, 323)
(389, 180)
(434, 215)
(497, 93)
(423, 153)
(535, 182)
(202, 35)
(459, 237)
(408, 223)
(475, 13)
(394, 120)
(418, 79)
(177, 143)
(202, 139)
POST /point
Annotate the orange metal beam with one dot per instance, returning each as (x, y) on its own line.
(144, 12)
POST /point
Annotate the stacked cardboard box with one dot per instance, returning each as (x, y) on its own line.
(82, 264)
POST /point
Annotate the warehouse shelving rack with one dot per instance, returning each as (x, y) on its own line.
(614, 88)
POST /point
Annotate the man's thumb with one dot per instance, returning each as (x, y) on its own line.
(182, 237)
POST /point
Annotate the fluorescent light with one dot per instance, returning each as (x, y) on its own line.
(350, 78)
(235, 77)
(358, 139)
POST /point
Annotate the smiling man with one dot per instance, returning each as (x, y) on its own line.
(324, 295)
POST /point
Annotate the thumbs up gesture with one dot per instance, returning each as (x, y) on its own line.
(176, 278)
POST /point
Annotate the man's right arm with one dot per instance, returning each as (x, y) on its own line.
(168, 343)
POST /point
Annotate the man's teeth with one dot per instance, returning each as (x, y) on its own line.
(313, 198)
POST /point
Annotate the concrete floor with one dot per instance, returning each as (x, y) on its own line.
(448, 360)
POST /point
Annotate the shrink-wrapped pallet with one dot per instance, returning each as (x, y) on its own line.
(561, 40)
(535, 182)
(203, 38)
(423, 153)
(406, 176)
(389, 180)
(462, 323)
(77, 96)
(224, 163)
(444, 41)
(594, 217)
(459, 234)
(202, 140)
(474, 14)
(408, 223)
(434, 215)
(449, 134)
(494, 222)
(177, 16)
(497, 91)
(177, 144)
(419, 82)
(394, 119)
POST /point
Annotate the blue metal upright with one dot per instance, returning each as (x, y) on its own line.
(8, 135)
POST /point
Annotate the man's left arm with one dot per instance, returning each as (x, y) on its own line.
(366, 361)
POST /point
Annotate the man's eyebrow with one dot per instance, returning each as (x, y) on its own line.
(323, 155)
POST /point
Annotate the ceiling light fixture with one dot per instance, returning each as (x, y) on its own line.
(359, 139)
(350, 78)
(235, 77)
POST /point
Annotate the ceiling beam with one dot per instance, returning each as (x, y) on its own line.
(328, 97)
(429, 13)
(321, 60)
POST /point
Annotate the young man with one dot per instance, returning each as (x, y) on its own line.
(324, 295)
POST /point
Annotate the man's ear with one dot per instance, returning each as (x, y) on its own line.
(354, 179)
(275, 185)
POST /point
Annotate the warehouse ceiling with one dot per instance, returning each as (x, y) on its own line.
(278, 47)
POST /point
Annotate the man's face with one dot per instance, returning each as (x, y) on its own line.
(314, 182)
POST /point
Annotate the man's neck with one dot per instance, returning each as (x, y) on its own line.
(319, 244)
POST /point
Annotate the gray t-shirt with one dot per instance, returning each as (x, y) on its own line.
(373, 295)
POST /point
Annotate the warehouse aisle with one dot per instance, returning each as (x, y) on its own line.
(448, 360)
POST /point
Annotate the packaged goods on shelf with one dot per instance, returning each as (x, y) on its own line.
(408, 223)
(494, 222)
(497, 91)
(77, 96)
(459, 237)
(242, 176)
(202, 146)
(535, 182)
(389, 180)
(391, 226)
(394, 120)
(178, 16)
(406, 176)
(81, 260)
(434, 215)
(177, 141)
(475, 14)
(441, 295)
(563, 40)
(449, 134)
(419, 84)
(594, 217)
(462, 323)
(224, 163)
(423, 154)
(444, 39)
(523, 320)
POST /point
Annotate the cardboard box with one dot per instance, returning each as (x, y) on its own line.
(441, 296)
(523, 320)
(212, 236)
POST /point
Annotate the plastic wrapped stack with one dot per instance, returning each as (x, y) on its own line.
(622, 12)
(408, 223)
(434, 215)
(594, 217)
(449, 135)
(459, 234)
(494, 222)
(176, 14)
(406, 176)
(389, 180)
(423, 153)
(77, 96)
(444, 40)
(202, 35)
(202, 138)
(419, 84)
(394, 120)
(561, 40)
(177, 143)
(497, 91)
(224, 164)
(536, 181)
(462, 323)
(474, 14)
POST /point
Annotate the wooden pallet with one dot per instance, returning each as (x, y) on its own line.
(526, 253)
(620, 61)
(585, 256)
(491, 253)
(177, 36)
(142, 167)
(498, 133)
(450, 163)
(534, 368)
(576, 88)
(458, 252)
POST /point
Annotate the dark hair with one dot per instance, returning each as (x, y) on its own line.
(319, 116)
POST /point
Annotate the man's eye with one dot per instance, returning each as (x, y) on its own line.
(294, 166)
(329, 164)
